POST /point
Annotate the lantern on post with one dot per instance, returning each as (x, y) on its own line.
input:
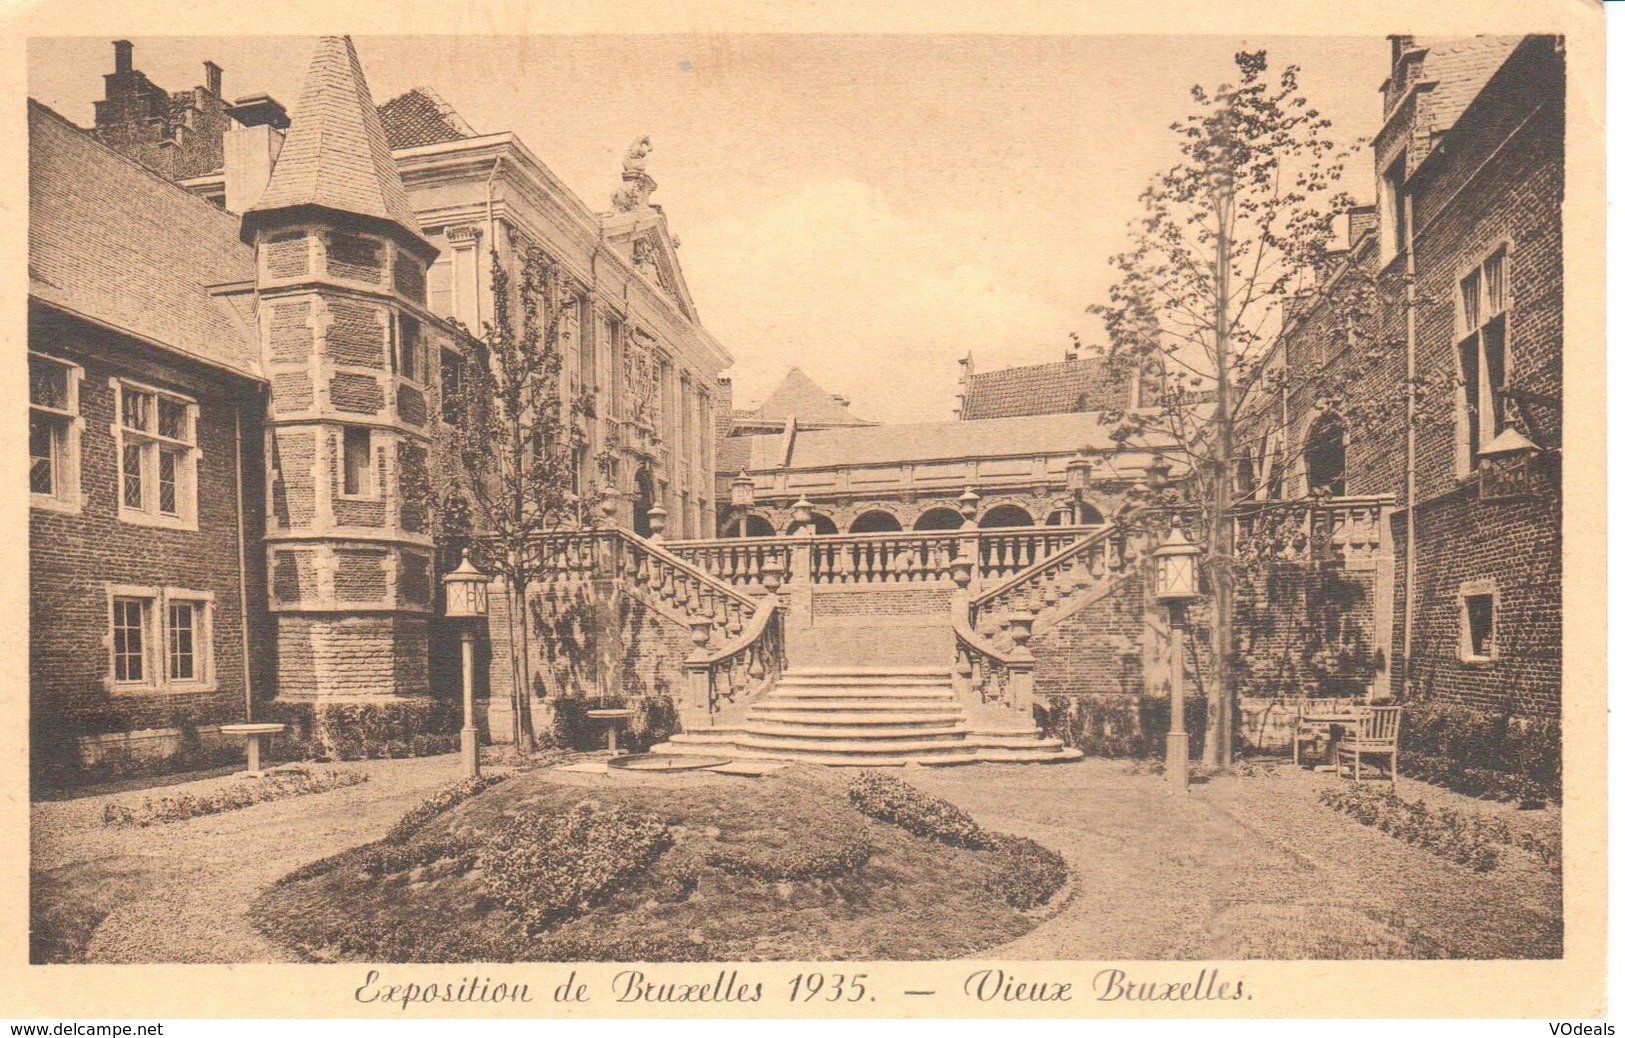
(1078, 475)
(1157, 470)
(467, 599)
(1175, 583)
(742, 492)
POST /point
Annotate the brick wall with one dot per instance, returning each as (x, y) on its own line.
(1495, 180)
(378, 654)
(1096, 649)
(1514, 547)
(899, 601)
(73, 558)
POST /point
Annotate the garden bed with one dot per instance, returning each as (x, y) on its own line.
(540, 869)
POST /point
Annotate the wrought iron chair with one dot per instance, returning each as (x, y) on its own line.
(1376, 736)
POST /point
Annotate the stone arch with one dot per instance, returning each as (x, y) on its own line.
(1325, 449)
(822, 525)
(1006, 514)
(1089, 515)
(752, 524)
(940, 518)
(875, 520)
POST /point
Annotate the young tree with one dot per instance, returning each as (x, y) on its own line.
(512, 465)
(1229, 233)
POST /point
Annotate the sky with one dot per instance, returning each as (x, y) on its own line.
(869, 208)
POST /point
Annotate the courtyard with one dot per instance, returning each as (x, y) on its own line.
(1250, 865)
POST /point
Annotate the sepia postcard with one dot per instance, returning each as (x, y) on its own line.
(843, 512)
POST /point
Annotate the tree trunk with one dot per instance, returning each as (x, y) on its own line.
(519, 672)
(1216, 749)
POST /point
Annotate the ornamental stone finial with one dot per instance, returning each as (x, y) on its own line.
(636, 183)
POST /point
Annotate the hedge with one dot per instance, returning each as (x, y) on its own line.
(653, 720)
(1116, 724)
(388, 729)
(1480, 753)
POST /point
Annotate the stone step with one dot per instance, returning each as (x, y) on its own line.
(934, 673)
(827, 703)
(827, 759)
(862, 695)
(836, 760)
(876, 734)
(769, 713)
(862, 681)
(855, 748)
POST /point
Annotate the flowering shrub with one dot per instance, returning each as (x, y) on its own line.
(1448, 833)
(890, 800)
(275, 785)
(383, 858)
(790, 863)
(548, 867)
(439, 802)
(1029, 873)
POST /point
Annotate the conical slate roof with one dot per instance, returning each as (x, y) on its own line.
(800, 396)
(336, 155)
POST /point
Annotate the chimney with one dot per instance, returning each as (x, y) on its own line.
(123, 55)
(1399, 47)
(1071, 354)
(1362, 218)
(212, 74)
(251, 148)
(260, 110)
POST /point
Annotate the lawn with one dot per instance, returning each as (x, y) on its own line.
(1246, 866)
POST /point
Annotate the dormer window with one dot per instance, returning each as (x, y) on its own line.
(1391, 206)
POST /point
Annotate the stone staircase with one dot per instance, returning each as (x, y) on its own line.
(869, 717)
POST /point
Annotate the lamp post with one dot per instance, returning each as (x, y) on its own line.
(466, 589)
(1175, 575)
(742, 498)
(1078, 475)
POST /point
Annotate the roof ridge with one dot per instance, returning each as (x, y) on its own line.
(201, 204)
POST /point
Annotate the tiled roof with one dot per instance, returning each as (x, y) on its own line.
(934, 441)
(1043, 389)
(111, 241)
(336, 155)
(733, 454)
(1461, 67)
(800, 396)
(420, 117)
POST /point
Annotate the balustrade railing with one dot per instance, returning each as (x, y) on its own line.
(741, 667)
(751, 563)
(897, 558)
(986, 672)
(1043, 587)
(738, 639)
(883, 558)
(1344, 530)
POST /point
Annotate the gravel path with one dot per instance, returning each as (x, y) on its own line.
(1251, 867)
(1244, 867)
(180, 892)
